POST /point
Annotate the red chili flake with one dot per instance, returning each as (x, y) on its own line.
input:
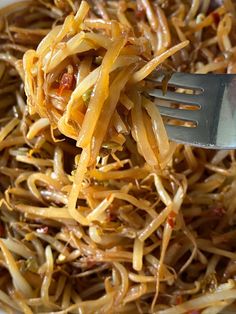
(90, 263)
(2, 230)
(140, 14)
(67, 82)
(171, 219)
(216, 18)
(178, 299)
(140, 11)
(218, 211)
(42, 230)
(110, 215)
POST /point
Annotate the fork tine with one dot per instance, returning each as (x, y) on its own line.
(195, 81)
(181, 114)
(182, 134)
(176, 97)
(185, 80)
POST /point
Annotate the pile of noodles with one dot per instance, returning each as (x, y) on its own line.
(99, 212)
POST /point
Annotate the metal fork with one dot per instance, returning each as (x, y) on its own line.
(215, 101)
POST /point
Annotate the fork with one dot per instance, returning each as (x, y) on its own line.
(213, 123)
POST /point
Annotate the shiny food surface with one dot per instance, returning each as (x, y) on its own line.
(100, 212)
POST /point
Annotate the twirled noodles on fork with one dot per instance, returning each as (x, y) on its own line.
(100, 213)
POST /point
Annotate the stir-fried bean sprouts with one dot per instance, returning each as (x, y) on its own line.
(100, 212)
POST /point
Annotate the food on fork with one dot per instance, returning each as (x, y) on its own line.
(100, 212)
